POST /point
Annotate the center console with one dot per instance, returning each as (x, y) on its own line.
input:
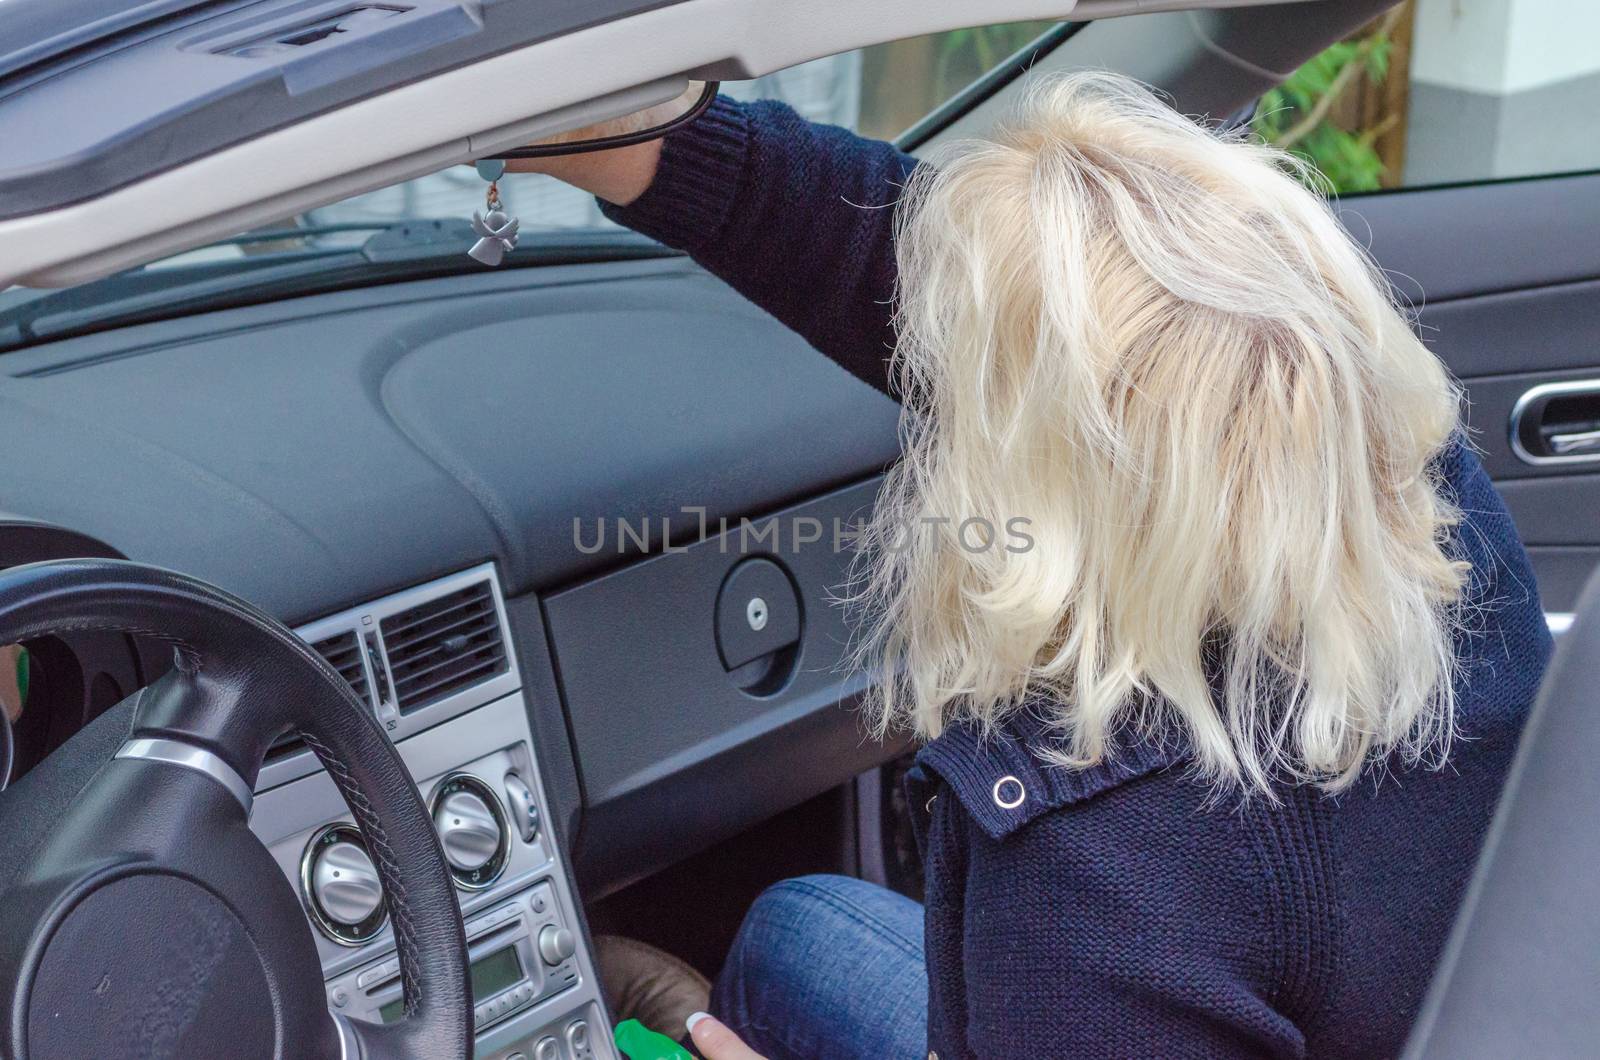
(436, 665)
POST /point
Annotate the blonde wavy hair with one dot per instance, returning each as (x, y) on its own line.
(1156, 349)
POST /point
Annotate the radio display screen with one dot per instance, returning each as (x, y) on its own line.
(490, 975)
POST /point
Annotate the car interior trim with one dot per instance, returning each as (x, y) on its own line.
(349, 1044)
(708, 93)
(190, 756)
(1584, 442)
(224, 71)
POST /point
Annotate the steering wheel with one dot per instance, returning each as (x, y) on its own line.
(139, 916)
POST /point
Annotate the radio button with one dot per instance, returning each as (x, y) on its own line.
(547, 1049)
(556, 944)
(386, 970)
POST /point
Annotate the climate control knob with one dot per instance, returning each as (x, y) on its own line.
(556, 944)
(343, 892)
(469, 832)
(472, 829)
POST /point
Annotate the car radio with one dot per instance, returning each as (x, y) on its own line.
(521, 952)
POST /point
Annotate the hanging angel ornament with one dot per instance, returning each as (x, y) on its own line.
(496, 229)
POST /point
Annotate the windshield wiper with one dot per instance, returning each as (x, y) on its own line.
(404, 250)
(279, 235)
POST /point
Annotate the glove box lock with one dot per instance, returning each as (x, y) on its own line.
(758, 624)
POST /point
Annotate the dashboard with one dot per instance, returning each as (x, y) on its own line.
(601, 434)
(314, 453)
(573, 533)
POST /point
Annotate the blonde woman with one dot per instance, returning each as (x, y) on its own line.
(1206, 767)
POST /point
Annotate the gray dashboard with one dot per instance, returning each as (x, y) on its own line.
(316, 454)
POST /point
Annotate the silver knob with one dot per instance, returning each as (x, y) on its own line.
(556, 944)
(524, 811)
(345, 884)
(468, 830)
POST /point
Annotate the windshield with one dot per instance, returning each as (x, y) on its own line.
(422, 227)
(879, 92)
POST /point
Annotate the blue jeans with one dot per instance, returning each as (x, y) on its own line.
(828, 968)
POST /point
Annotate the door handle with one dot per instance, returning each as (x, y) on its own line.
(1573, 444)
(1557, 423)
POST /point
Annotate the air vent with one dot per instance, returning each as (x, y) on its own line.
(343, 652)
(430, 653)
(444, 645)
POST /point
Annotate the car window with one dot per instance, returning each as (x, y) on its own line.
(1448, 92)
(878, 91)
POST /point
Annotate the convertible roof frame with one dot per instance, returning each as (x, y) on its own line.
(474, 110)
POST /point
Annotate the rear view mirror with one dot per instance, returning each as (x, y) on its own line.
(649, 124)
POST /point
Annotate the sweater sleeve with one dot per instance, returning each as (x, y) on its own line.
(796, 216)
(1099, 929)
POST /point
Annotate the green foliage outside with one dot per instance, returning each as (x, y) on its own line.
(1296, 114)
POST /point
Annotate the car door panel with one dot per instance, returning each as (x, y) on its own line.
(1504, 280)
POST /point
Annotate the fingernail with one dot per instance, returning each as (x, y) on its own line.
(694, 1018)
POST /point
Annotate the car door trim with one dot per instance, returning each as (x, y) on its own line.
(1531, 397)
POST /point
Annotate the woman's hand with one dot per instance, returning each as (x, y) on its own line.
(716, 1042)
(622, 174)
(618, 176)
(11, 688)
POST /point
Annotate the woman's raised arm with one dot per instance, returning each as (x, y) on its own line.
(796, 216)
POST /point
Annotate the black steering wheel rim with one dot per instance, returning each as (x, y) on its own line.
(163, 826)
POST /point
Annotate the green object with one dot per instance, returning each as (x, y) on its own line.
(22, 678)
(639, 1042)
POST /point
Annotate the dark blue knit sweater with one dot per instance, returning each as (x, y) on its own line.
(1116, 911)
